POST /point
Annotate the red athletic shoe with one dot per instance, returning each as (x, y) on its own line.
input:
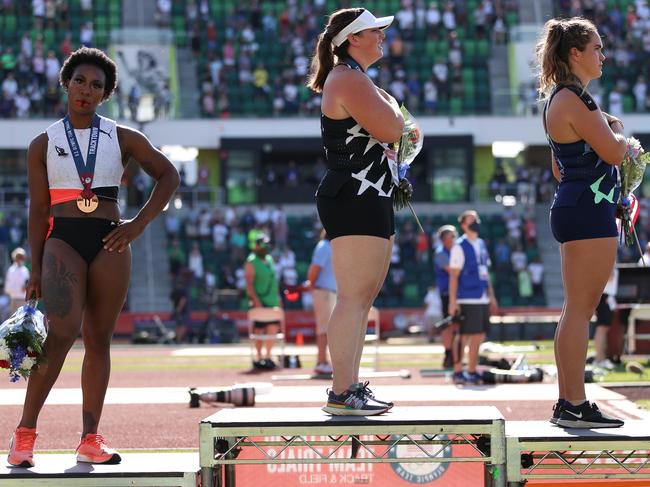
(21, 447)
(92, 449)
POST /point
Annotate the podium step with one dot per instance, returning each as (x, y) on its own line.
(136, 469)
(537, 450)
(413, 435)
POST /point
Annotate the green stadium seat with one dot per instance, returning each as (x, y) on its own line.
(483, 48)
(469, 50)
(512, 18)
(628, 104)
(412, 295)
(455, 106)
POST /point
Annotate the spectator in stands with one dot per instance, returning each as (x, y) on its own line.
(16, 279)
(471, 296)
(430, 96)
(536, 271)
(518, 259)
(10, 86)
(640, 90)
(195, 261)
(180, 299)
(321, 282)
(569, 57)
(163, 11)
(172, 225)
(604, 317)
(134, 101)
(176, 256)
(359, 190)
(262, 290)
(81, 266)
(65, 48)
(447, 235)
(52, 67)
(6, 106)
(86, 35)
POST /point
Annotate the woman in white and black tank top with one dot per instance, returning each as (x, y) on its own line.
(80, 247)
(359, 122)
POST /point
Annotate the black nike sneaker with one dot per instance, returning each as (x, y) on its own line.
(557, 410)
(586, 415)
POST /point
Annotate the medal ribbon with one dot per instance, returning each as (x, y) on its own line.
(86, 170)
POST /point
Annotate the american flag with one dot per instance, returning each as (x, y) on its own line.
(634, 210)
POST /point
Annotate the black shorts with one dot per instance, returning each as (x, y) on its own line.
(352, 214)
(444, 299)
(259, 325)
(475, 318)
(585, 220)
(604, 314)
(84, 235)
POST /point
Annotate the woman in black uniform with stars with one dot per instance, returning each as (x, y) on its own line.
(358, 123)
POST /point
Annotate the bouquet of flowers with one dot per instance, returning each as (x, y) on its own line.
(409, 146)
(632, 170)
(21, 341)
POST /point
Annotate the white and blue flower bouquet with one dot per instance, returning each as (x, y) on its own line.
(408, 148)
(21, 341)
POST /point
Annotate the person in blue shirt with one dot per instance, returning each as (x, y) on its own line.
(471, 296)
(587, 146)
(321, 282)
(447, 235)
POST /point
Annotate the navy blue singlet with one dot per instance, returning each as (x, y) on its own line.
(585, 201)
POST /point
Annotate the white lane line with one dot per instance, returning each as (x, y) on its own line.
(316, 394)
(244, 350)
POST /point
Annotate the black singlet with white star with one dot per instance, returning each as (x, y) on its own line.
(351, 152)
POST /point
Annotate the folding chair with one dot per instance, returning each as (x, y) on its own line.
(373, 333)
(266, 315)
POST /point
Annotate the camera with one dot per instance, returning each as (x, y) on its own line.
(238, 396)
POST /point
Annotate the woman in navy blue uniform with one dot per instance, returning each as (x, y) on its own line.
(587, 146)
(355, 197)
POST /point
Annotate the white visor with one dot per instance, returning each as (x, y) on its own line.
(364, 21)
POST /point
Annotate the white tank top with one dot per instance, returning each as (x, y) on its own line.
(61, 170)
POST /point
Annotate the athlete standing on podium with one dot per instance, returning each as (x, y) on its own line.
(587, 145)
(355, 197)
(82, 262)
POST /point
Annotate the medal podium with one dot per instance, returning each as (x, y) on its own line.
(136, 469)
(239, 438)
(537, 450)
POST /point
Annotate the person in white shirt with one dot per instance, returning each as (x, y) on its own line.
(16, 279)
(471, 296)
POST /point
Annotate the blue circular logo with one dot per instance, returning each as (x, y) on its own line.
(420, 473)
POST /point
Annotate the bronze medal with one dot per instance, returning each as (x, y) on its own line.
(87, 205)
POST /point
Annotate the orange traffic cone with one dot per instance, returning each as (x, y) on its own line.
(300, 339)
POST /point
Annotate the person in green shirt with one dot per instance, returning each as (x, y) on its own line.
(262, 289)
(8, 59)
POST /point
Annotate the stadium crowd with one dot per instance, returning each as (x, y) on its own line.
(625, 29)
(207, 249)
(253, 58)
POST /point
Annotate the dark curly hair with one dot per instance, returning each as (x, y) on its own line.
(95, 57)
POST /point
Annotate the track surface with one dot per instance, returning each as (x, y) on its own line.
(175, 426)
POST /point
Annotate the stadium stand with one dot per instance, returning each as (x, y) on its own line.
(252, 60)
(218, 240)
(624, 27)
(36, 37)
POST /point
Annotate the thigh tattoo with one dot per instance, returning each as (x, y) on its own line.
(59, 282)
